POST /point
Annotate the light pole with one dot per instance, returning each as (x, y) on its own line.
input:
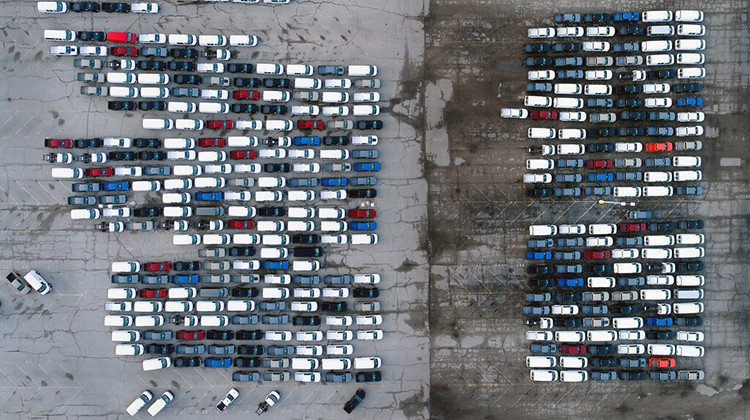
(622, 203)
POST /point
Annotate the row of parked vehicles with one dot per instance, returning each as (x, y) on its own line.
(95, 6)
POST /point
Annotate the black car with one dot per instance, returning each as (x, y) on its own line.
(567, 17)
(155, 155)
(540, 269)
(251, 350)
(631, 30)
(92, 36)
(307, 252)
(597, 191)
(661, 227)
(336, 140)
(274, 109)
(84, 6)
(246, 81)
(631, 131)
(363, 193)
(186, 266)
(306, 320)
(691, 266)
(187, 362)
(147, 212)
(660, 335)
(567, 322)
(242, 251)
(599, 103)
(277, 83)
(116, 7)
(241, 68)
(690, 224)
(542, 282)
(599, 268)
(369, 125)
(537, 61)
(182, 66)
(681, 87)
(152, 65)
(365, 293)
(566, 47)
(248, 335)
(536, 47)
(354, 400)
(600, 132)
(333, 70)
(188, 79)
(596, 17)
(160, 349)
(245, 108)
(183, 53)
(689, 322)
(567, 297)
(247, 362)
(147, 143)
(620, 89)
(333, 306)
(633, 376)
(122, 155)
(220, 335)
(152, 106)
(661, 74)
(630, 102)
(374, 376)
(305, 239)
(271, 211)
(539, 192)
(277, 167)
(245, 292)
(121, 105)
(603, 362)
(633, 115)
(625, 309)
(601, 147)
(661, 116)
(601, 349)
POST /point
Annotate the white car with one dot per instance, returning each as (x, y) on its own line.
(278, 335)
(598, 74)
(572, 31)
(238, 196)
(690, 336)
(309, 350)
(651, 88)
(210, 68)
(367, 278)
(309, 335)
(540, 335)
(596, 46)
(541, 75)
(658, 102)
(144, 8)
(152, 38)
(307, 292)
(340, 292)
(628, 147)
(565, 309)
(370, 335)
(578, 116)
(333, 239)
(337, 83)
(631, 349)
(369, 319)
(94, 51)
(307, 376)
(118, 306)
(340, 335)
(690, 116)
(366, 97)
(600, 31)
(684, 131)
(243, 40)
(632, 335)
(513, 113)
(541, 32)
(140, 402)
(227, 400)
(339, 350)
(304, 307)
(306, 167)
(62, 50)
(594, 241)
(344, 320)
(626, 253)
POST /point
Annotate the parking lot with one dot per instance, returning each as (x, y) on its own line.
(446, 67)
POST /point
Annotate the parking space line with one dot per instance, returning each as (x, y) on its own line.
(566, 394)
(617, 385)
(629, 393)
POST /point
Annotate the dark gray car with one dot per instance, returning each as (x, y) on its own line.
(186, 92)
(161, 279)
(245, 376)
(280, 350)
(363, 180)
(365, 154)
(343, 279)
(338, 377)
(113, 199)
(275, 319)
(308, 280)
(157, 170)
(185, 349)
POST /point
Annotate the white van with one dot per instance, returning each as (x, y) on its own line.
(536, 361)
(568, 103)
(360, 70)
(689, 280)
(276, 96)
(300, 363)
(660, 30)
(123, 92)
(627, 268)
(570, 336)
(657, 191)
(568, 89)
(299, 70)
(53, 35)
(688, 16)
(690, 45)
(627, 323)
(686, 161)
(153, 79)
(601, 282)
(242, 141)
(335, 97)
(542, 230)
(335, 364)
(690, 238)
(269, 196)
(331, 213)
(683, 58)
(246, 238)
(365, 110)
(540, 164)
(78, 214)
(570, 149)
(186, 239)
(656, 253)
(601, 336)
(687, 308)
(656, 294)
(541, 133)
(659, 59)
(537, 101)
(157, 363)
(599, 90)
(182, 107)
(129, 349)
(683, 176)
(627, 192)
(52, 7)
(697, 252)
(146, 186)
(541, 375)
(658, 240)
(334, 154)
(264, 68)
(305, 265)
(179, 143)
(690, 30)
(657, 177)
(279, 125)
(67, 173)
(688, 294)
(307, 83)
(656, 46)
(656, 16)
(686, 73)
(602, 229)
(661, 349)
(301, 212)
(214, 320)
(213, 107)
(158, 123)
(160, 403)
(690, 351)
(182, 39)
(37, 282)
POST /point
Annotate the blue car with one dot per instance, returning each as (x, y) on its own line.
(275, 265)
(659, 321)
(690, 101)
(333, 182)
(626, 17)
(306, 141)
(365, 167)
(534, 255)
(115, 186)
(217, 362)
(362, 226)
(209, 196)
(600, 177)
(574, 282)
(185, 278)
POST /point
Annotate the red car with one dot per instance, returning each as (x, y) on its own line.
(362, 214)
(124, 51)
(241, 224)
(661, 362)
(632, 227)
(153, 293)
(190, 335)
(211, 142)
(572, 349)
(543, 115)
(220, 124)
(315, 124)
(100, 172)
(245, 94)
(122, 37)
(157, 266)
(659, 147)
(63, 143)
(242, 154)
(598, 163)
(597, 255)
